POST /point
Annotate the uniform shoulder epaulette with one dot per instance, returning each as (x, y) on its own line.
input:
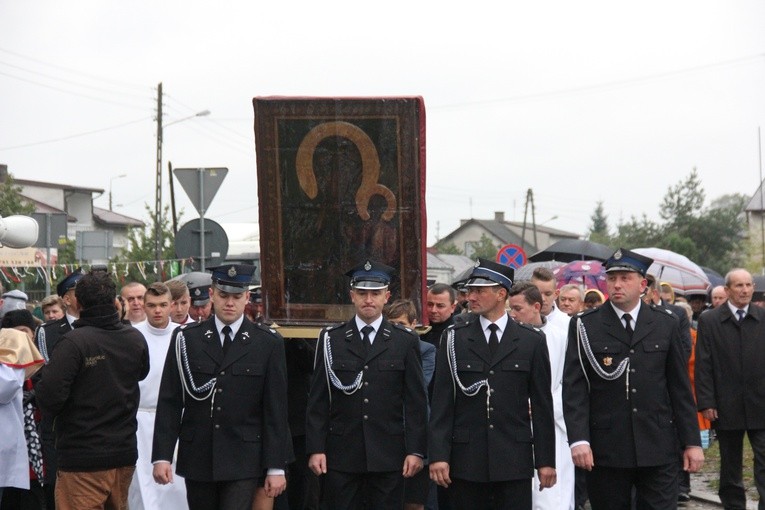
(331, 329)
(404, 328)
(267, 328)
(189, 325)
(587, 312)
(530, 327)
(462, 323)
(661, 309)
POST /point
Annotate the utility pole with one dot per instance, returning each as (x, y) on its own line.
(158, 190)
(529, 199)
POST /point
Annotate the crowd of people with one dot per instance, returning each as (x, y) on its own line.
(516, 395)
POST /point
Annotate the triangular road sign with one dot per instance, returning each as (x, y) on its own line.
(208, 180)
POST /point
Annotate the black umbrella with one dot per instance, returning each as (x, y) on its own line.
(569, 250)
(715, 278)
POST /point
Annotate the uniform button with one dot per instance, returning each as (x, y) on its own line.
(220, 390)
(222, 372)
(632, 351)
(632, 370)
(491, 372)
(605, 348)
(491, 409)
(366, 417)
(634, 390)
(366, 383)
(516, 365)
(634, 409)
(366, 400)
(217, 426)
(468, 366)
(657, 346)
(492, 390)
(366, 367)
(491, 426)
(217, 408)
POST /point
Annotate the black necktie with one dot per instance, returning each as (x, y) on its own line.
(365, 332)
(628, 326)
(493, 338)
(741, 314)
(226, 339)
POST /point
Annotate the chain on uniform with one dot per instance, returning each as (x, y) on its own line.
(349, 389)
(584, 341)
(473, 389)
(42, 345)
(187, 379)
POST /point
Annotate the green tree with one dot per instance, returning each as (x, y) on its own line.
(141, 249)
(599, 229)
(449, 249)
(485, 248)
(638, 233)
(11, 201)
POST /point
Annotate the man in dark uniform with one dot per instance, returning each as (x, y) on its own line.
(489, 368)
(46, 338)
(199, 291)
(627, 399)
(366, 420)
(228, 406)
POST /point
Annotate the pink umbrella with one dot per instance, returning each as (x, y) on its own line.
(590, 274)
(685, 276)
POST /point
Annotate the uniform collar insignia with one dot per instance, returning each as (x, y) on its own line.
(208, 333)
(246, 334)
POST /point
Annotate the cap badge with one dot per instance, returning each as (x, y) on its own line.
(231, 272)
(197, 292)
(618, 254)
(607, 361)
(367, 266)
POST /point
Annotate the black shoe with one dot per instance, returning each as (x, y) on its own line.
(683, 497)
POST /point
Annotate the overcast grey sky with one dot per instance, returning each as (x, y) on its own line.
(580, 101)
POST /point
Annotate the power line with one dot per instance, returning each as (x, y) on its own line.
(74, 71)
(42, 142)
(599, 86)
(125, 105)
(70, 82)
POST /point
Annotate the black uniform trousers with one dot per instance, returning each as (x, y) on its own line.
(655, 486)
(228, 495)
(507, 495)
(369, 490)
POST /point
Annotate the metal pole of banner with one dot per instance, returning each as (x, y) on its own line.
(201, 219)
(762, 203)
(48, 218)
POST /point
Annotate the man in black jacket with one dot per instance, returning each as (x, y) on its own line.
(627, 398)
(730, 383)
(223, 399)
(366, 420)
(492, 377)
(90, 387)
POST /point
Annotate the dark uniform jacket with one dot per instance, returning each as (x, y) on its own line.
(496, 444)
(636, 425)
(730, 367)
(241, 430)
(376, 427)
(47, 337)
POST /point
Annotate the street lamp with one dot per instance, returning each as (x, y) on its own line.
(158, 187)
(111, 180)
